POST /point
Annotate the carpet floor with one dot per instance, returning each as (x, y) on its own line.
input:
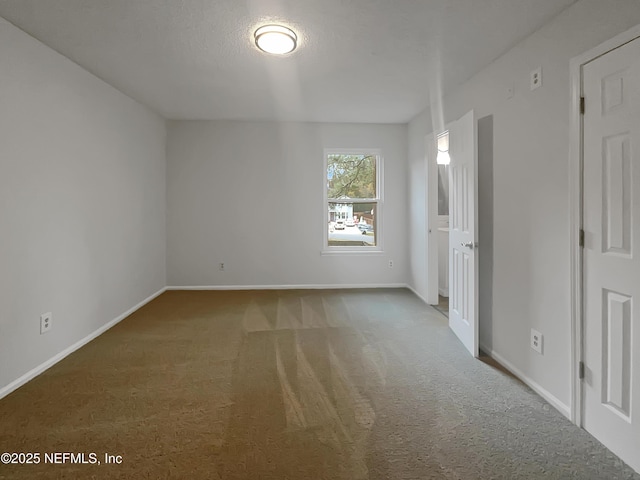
(340, 385)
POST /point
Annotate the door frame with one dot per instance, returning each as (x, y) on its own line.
(576, 193)
(431, 211)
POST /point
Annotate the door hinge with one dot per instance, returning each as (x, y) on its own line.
(581, 105)
(581, 239)
(581, 370)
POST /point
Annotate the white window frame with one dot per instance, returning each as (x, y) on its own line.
(354, 250)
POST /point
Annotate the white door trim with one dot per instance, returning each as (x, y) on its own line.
(431, 211)
(575, 209)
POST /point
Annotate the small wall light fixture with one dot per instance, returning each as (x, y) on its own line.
(275, 39)
(443, 157)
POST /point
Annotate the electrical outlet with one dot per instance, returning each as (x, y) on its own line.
(221, 266)
(536, 341)
(46, 322)
(536, 78)
(390, 263)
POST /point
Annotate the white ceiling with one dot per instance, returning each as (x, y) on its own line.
(357, 61)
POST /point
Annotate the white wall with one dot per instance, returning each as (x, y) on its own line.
(250, 194)
(531, 186)
(82, 203)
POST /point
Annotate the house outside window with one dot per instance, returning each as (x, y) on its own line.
(352, 200)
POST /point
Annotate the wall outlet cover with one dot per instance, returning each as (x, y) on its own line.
(46, 322)
(536, 341)
(536, 78)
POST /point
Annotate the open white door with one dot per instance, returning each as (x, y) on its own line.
(611, 259)
(463, 214)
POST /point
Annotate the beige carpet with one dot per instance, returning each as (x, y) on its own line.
(289, 385)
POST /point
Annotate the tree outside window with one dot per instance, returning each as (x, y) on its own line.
(352, 199)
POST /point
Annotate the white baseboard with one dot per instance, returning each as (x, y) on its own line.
(6, 390)
(415, 292)
(287, 287)
(557, 404)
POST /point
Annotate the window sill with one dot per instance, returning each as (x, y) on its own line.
(351, 252)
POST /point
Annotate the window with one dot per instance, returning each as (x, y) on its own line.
(353, 200)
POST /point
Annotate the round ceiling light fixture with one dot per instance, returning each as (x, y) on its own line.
(275, 39)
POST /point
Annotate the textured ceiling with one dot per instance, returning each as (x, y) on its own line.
(357, 61)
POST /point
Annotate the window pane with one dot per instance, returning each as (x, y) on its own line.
(352, 224)
(351, 176)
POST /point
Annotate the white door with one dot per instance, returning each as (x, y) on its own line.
(611, 257)
(463, 214)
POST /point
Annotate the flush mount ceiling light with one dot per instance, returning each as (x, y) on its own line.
(275, 39)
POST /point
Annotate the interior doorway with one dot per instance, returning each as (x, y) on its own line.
(442, 161)
(438, 179)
